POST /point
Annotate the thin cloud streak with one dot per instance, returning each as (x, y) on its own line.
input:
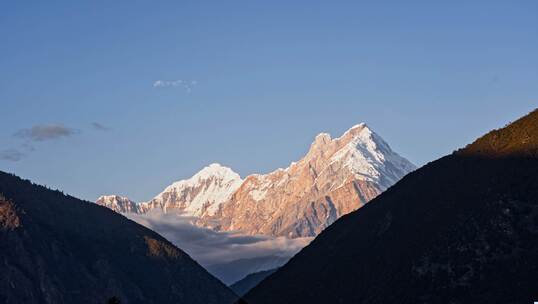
(28, 147)
(187, 85)
(100, 127)
(45, 132)
(12, 155)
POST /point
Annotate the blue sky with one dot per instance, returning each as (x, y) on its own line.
(264, 77)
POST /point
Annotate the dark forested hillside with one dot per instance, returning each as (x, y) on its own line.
(462, 229)
(518, 139)
(58, 249)
(242, 286)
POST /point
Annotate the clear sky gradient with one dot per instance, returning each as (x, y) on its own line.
(260, 80)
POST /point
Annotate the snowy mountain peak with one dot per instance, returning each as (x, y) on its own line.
(202, 194)
(369, 157)
(114, 199)
(358, 126)
(213, 171)
(360, 152)
(118, 203)
(216, 170)
(360, 129)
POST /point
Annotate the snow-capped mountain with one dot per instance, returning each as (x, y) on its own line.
(335, 177)
(120, 204)
(200, 195)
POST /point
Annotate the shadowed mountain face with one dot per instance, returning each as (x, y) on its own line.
(234, 271)
(58, 249)
(242, 286)
(462, 229)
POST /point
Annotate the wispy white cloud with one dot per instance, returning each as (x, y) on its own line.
(187, 85)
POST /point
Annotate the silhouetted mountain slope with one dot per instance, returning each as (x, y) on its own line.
(250, 281)
(462, 229)
(517, 139)
(233, 271)
(58, 249)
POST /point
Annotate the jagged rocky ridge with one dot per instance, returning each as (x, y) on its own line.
(335, 177)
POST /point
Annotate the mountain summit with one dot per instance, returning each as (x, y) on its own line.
(335, 177)
(200, 195)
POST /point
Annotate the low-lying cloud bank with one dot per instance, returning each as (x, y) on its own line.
(211, 247)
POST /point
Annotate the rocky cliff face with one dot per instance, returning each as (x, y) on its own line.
(335, 177)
